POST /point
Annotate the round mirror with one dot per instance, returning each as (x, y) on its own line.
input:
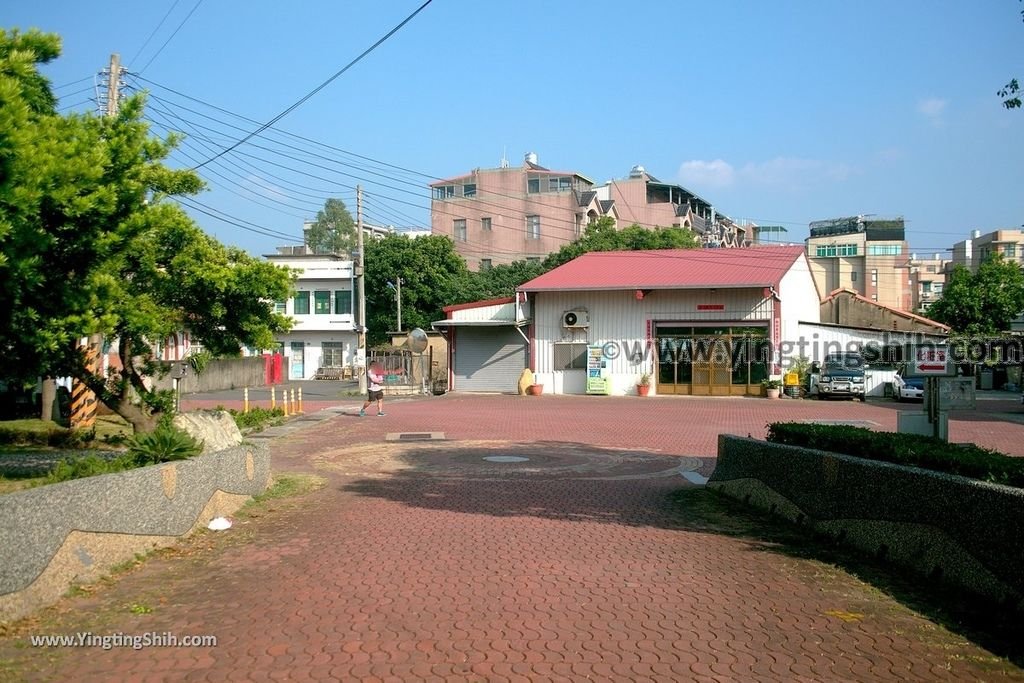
(416, 340)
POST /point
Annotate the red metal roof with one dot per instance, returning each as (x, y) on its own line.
(479, 304)
(670, 269)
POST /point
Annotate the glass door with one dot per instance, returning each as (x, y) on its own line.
(297, 364)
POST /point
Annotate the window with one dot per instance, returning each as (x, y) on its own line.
(281, 307)
(926, 287)
(485, 224)
(321, 302)
(460, 229)
(1010, 251)
(533, 227)
(485, 264)
(829, 250)
(570, 356)
(444, 191)
(874, 277)
(301, 303)
(937, 288)
(533, 185)
(469, 190)
(885, 249)
(343, 302)
(853, 276)
(334, 355)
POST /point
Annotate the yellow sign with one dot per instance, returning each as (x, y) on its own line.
(792, 378)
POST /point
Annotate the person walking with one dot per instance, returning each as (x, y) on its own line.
(375, 390)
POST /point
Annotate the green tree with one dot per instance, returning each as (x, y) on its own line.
(433, 275)
(91, 244)
(982, 303)
(602, 235)
(334, 231)
(502, 280)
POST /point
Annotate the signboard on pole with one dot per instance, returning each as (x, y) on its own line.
(930, 360)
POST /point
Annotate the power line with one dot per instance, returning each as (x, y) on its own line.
(198, 3)
(68, 85)
(319, 87)
(153, 33)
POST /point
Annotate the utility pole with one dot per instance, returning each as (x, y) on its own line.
(114, 85)
(361, 351)
(83, 401)
(399, 304)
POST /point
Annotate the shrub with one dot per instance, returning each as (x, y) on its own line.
(903, 449)
(257, 417)
(163, 444)
(88, 466)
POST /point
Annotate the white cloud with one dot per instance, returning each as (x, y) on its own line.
(781, 173)
(713, 174)
(932, 108)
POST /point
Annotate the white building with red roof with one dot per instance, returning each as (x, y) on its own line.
(698, 321)
(703, 322)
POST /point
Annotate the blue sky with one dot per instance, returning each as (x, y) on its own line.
(778, 112)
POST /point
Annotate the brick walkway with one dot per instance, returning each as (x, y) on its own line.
(586, 557)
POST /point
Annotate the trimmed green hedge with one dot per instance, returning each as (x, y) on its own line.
(903, 449)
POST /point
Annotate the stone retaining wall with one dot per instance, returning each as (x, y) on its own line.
(960, 530)
(73, 532)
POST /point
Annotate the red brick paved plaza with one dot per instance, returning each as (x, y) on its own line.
(580, 553)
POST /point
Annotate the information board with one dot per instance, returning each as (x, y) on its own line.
(597, 371)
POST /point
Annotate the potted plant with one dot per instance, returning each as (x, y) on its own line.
(535, 389)
(772, 387)
(643, 385)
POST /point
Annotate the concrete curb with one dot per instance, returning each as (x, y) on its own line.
(959, 530)
(75, 531)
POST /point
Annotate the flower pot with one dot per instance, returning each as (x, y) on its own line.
(642, 389)
(535, 389)
(772, 393)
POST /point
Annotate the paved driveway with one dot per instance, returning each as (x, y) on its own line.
(548, 538)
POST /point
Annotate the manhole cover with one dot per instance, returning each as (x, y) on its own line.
(505, 458)
(415, 436)
(848, 423)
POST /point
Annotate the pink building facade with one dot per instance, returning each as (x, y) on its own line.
(500, 215)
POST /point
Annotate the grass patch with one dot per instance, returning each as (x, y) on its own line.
(108, 430)
(288, 485)
(12, 485)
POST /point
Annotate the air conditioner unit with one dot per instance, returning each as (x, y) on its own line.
(575, 319)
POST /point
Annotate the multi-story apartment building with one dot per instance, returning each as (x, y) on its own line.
(927, 280)
(506, 214)
(971, 252)
(865, 254)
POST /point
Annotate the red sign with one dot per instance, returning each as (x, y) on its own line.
(710, 307)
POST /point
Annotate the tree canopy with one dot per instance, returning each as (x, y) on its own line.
(983, 303)
(433, 276)
(333, 231)
(90, 244)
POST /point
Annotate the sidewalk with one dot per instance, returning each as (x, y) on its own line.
(548, 538)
